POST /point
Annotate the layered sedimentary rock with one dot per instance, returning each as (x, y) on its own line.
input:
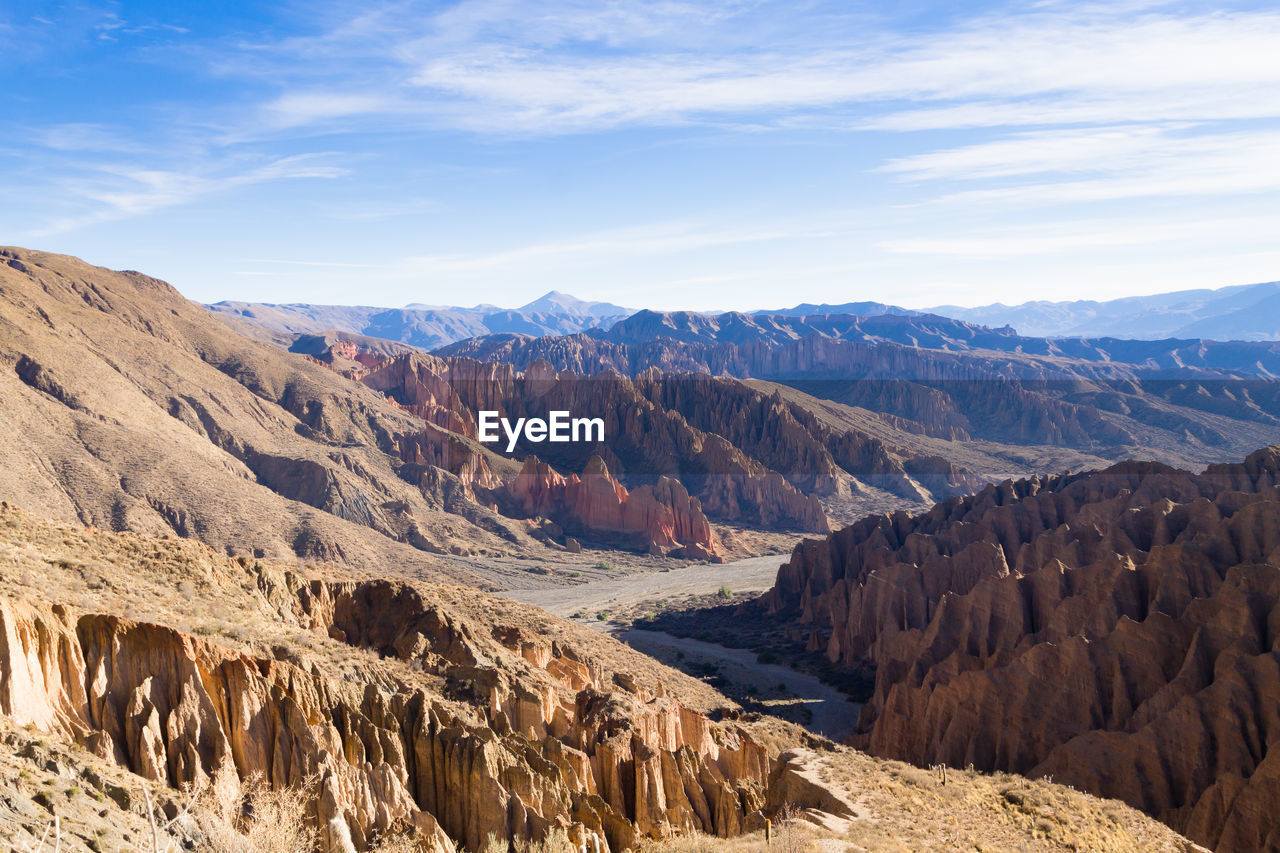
(661, 517)
(645, 443)
(793, 441)
(1100, 396)
(518, 735)
(1118, 630)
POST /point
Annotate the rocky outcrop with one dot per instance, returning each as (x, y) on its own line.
(1005, 388)
(645, 443)
(519, 736)
(1071, 625)
(656, 518)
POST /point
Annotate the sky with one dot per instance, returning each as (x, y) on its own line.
(739, 154)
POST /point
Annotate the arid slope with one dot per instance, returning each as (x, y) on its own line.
(428, 711)
(125, 406)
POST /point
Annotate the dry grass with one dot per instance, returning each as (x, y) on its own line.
(260, 820)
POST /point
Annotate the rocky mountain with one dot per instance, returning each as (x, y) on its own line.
(1185, 406)
(663, 515)
(243, 705)
(1249, 312)
(428, 326)
(929, 331)
(644, 442)
(748, 455)
(862, 309)
(1115, 630)
(128, 407)
(701, 339)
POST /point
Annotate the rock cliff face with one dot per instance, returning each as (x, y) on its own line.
(791, 440)
(1083, 395)
(1118, 630)
(647, 445)
(658, 518)
(502, 734)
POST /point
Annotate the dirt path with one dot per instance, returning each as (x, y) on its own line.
(754, 574)
(793, 695)
(830, 712)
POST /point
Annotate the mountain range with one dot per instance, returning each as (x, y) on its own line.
(1248, 312)
(428, 326)
(246, 570)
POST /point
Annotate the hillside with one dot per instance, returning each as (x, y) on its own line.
(461, 718)
(128, 407)
(1067, 626)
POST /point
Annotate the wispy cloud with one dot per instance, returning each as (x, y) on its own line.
(575, 67)
(1073, 166)
(115, 192)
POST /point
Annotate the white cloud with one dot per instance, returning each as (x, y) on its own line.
(118, 192)
(1089, 64)
(1103, 164)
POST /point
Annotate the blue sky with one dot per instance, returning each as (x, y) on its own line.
(656, 154)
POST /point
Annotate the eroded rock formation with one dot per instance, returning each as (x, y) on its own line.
(1118, 630)
(504, 734)
(646, 443)
(659, 518)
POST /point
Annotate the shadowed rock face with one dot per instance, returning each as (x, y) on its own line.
(647, 444)
(1118, 630)
(1096, 395)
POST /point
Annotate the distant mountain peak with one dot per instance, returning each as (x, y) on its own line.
(560, 302)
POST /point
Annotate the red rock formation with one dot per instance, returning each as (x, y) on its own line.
(662, 516)
(420, 384)
(1119, 631)
(644, 443)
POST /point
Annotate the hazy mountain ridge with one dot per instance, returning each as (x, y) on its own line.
(702, 339)
(1247, 312)
(428, 326)
(1102, 330)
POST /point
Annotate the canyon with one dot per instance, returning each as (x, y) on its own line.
(430, 712)
(234, 565)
